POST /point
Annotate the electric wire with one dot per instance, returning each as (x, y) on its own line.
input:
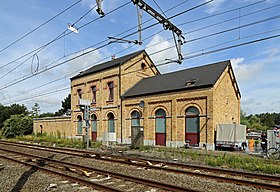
(42, 47)
(103, 41)
(28, 76)
(57, 38)
(38, 27)
(199, 38)
(197, 55)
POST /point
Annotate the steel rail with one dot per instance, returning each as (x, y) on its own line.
(91, 184)
(143, 181)
(135, 162)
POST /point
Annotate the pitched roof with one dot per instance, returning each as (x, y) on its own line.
(197, 77)
(109, 64)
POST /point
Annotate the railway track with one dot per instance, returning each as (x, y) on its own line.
(91, 177)
(199, 171)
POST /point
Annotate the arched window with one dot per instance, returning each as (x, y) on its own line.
(80, 124)
(135, 118)
(111, 123)
(160, 127)
(192, 125)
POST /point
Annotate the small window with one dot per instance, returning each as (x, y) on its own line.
(111, 91)
(191, 82)
(143, 66)
(93, 89)
(79, 92)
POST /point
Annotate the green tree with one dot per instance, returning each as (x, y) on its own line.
(7, 111)
(35, 110)
(66, 106)
(17, 125)
(48, 114)
(254, 120)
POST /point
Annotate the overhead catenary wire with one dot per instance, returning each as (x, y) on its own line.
(44, 46)
(104, 45)
(29, 76)
(103, 41)
(185, 58)
(63, 34)
(189, 55)
(228, 30)
(41, 25)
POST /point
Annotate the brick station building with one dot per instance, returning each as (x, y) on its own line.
(132, 103)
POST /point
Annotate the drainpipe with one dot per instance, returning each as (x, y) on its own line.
(120, 91)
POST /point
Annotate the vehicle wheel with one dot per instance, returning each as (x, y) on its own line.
(273, 153)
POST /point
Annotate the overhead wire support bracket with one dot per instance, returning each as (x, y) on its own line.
(99, 8)
(120, 40)
(167, 25)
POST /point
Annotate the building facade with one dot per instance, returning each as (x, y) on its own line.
(131, 102)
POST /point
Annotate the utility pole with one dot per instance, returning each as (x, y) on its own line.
(87, 124)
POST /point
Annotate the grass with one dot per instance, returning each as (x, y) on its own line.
(217, 159)
(211, 158)
(247, 163)
(55, 139)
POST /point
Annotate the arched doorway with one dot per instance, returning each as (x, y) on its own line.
(137, 134)
(111, 123)
(79, 125)
(192, 129)
(135, 118)
(160, 127)
(93, 127)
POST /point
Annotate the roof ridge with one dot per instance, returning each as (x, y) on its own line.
(108, 64)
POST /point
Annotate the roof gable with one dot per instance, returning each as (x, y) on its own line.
(109, 64)
(193, 78)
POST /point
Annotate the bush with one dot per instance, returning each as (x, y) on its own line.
(17, 125)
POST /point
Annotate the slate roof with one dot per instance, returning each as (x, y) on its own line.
(109, 64)
(205, 76)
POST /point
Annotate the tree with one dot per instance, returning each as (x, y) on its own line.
(48, 114)
(17, 125)
(35, 110)
(7, 111)
(66, 106)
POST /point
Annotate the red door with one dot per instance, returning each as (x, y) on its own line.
(93, 136)
(160, 139)
(160, 127)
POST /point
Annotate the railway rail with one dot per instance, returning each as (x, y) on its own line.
(206, 172)
(64, 168)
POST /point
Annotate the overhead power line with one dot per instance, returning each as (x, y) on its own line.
(87, 52)
(189, 55)
(38, 27)
(63, 34)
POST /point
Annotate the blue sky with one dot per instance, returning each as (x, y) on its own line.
(256, 65)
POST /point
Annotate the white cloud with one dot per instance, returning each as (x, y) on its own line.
(244, 71)
(161, 43)
(214, 6)
(82, 62)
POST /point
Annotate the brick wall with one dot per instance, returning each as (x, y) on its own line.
(53, 125)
